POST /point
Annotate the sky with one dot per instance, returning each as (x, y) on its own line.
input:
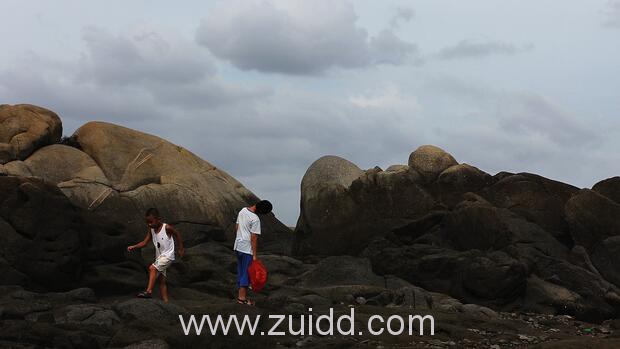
(263, 88)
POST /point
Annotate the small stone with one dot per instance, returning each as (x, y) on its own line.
(304, 342)
(526, 338)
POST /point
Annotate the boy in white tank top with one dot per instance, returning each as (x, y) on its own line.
(163, 236)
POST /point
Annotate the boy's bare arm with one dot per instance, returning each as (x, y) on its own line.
(142, 243)
(177, 236)
(254, 246)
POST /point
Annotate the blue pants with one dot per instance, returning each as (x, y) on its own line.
(243, 263)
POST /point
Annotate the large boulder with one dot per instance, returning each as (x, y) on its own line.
(606, 259)
(592, 218)
(24, 128)
(342, 270)
(430, 161)
(329, 173)
(208, 267)
(610, 188)
(42, 235)
(464, 177)
(49, 243)
(46, 163)
(598, 298)
(535, 198)
(343, 207)
(119, 173)
(476, 224)
(474, 276)
(457, 180)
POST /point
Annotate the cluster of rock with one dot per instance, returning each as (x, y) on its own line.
(509, 241)
(68, 210)
(119, 173)
(431, 237)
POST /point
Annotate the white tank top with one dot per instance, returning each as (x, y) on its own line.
(164, 244)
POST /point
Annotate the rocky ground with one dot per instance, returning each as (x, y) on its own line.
(79, 319)
(500, 261)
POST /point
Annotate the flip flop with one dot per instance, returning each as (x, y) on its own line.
(245, 302)
(144, 295)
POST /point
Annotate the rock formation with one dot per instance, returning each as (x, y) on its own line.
(119, 173)
(25, 128)
(509, 241)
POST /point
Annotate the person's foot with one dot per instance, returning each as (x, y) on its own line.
(144, 295)
(245, 301)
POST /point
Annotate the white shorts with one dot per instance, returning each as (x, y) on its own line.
(162, 263)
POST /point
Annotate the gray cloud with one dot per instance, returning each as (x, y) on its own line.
(533, 116)
(403, 14)
(472, 49)
(144, 56)
(268, 142)
(133, 76)
(266, 135)
(517, 131)
(612, 14)
(297, 37)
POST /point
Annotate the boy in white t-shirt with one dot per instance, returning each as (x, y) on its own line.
(246, 242)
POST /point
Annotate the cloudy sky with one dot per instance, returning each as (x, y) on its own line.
(264, 88)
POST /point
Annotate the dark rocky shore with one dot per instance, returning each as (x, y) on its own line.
(500, 261)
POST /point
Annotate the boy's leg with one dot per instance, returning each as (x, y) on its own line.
(152, 277)
(243, 263)
(163, 288)
(243, 293)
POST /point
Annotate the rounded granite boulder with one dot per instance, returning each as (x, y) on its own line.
(430, 161)
(24, 128)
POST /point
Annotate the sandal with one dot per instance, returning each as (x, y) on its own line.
(245, 302)
(144, 295)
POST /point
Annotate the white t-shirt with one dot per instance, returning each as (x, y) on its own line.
(249, 224)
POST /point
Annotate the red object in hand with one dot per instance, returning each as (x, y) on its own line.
(258, 275)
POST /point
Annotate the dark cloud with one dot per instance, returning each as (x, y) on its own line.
(472, 49)
(297, 37)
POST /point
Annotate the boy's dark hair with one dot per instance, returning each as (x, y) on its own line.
(152, 212)
(264, 207)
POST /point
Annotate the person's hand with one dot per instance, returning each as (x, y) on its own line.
(181, 252)
(129, 248)
(254, 257)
